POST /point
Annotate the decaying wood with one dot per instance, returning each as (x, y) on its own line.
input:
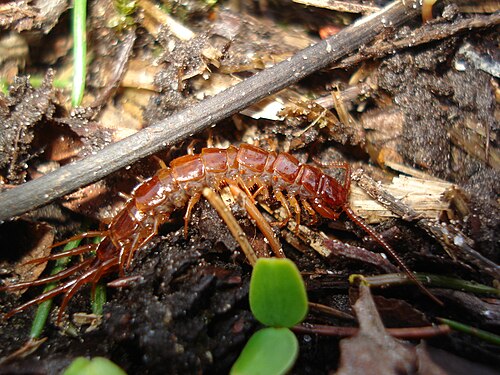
(424, 196)
(340, 6)
(456, 243)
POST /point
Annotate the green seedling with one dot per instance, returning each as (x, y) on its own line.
(278, 299)
(269, 351)
(278, 296)
(95, 366)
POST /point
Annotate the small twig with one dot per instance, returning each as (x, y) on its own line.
(165, 20)
(340, 6)
(204, 114)
(400, 333)
(330, 311)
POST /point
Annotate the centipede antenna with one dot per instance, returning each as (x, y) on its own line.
(389, 250)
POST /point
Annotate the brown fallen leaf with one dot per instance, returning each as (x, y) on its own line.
(41, 237)
(374, 351)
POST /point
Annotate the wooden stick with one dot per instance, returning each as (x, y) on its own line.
(187, 122)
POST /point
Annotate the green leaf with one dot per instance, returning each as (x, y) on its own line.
(96, 366)
(270, 351)
(278, 295)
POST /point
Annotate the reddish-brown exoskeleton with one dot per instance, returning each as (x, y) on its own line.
(178, 186)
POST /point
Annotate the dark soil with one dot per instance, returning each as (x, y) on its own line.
(184, 308)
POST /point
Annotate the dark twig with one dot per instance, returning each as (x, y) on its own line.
(200, 116)
(400, 333)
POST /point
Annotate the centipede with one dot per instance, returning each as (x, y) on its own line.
(247, 170)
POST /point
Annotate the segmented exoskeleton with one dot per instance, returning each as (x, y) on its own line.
(180, 185)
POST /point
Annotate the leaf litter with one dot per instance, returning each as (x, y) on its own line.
(421, 109)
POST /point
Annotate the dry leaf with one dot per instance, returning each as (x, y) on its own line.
(374, 351)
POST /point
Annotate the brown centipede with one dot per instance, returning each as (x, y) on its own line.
(172, 188)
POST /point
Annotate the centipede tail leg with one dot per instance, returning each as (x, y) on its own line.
(76, 251)
(90, 276)
(389, 250)
(256, 215)
(39, 299)
(90, 234)
(56, 277)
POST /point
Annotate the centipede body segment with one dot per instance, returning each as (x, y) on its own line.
(180, 186)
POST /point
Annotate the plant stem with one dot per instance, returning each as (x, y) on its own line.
(79, 51)
(484, 335)
(431, 280)
(98, 299)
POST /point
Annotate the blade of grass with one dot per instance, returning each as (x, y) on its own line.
(43, 310)
(431, 280)
(483, 335)
(79, 51)
(98, 299)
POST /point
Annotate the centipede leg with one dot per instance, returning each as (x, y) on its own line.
(261, 189)
(256, 215)
(312, 214)
(83, 279)
(187, 216)
(160, 162)
(284, 203)
(389, 250)
(296, 207)
(144, 241)
(242, 186)
(215, 200)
